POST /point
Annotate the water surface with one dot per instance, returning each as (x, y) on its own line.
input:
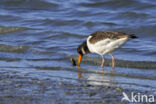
(40, 37)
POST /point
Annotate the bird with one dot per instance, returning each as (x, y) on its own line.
(103, 42)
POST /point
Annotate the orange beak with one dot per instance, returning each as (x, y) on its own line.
(79, 60)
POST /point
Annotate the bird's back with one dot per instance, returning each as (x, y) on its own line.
(101, 35)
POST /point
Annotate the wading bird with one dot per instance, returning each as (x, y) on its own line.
(103, 42)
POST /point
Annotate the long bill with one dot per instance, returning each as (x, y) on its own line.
(79, 60)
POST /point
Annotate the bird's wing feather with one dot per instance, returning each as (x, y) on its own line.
(101, 35)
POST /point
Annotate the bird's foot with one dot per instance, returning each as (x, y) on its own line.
(113, 70)
(102, 67)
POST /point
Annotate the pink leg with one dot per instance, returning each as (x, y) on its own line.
(103, 60)
(113, 62)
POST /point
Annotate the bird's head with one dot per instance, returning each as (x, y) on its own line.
(82, 50)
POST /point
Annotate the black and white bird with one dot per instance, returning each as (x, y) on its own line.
(103, 42)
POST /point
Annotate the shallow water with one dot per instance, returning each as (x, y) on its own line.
(40, 36)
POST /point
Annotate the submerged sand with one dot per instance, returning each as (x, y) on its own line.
(20, 88)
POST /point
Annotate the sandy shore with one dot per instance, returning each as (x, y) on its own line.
(18, 88)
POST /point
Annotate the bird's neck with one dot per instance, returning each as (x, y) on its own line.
(85, 47)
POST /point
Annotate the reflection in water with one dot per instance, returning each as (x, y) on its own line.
(96, 79)
(79, 73)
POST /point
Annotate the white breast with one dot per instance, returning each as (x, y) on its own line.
(105, 46)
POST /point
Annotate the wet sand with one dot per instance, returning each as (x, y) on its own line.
(20, 88)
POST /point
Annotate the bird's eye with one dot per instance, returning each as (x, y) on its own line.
(78, 50)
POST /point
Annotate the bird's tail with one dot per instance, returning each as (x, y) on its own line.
(132, 36)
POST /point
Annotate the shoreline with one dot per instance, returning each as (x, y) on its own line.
(18, 88)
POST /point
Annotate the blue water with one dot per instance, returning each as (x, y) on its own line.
(46, 33)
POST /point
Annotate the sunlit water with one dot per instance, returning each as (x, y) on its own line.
(40, 36)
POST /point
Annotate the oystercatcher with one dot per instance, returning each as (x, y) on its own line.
(103, 42)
